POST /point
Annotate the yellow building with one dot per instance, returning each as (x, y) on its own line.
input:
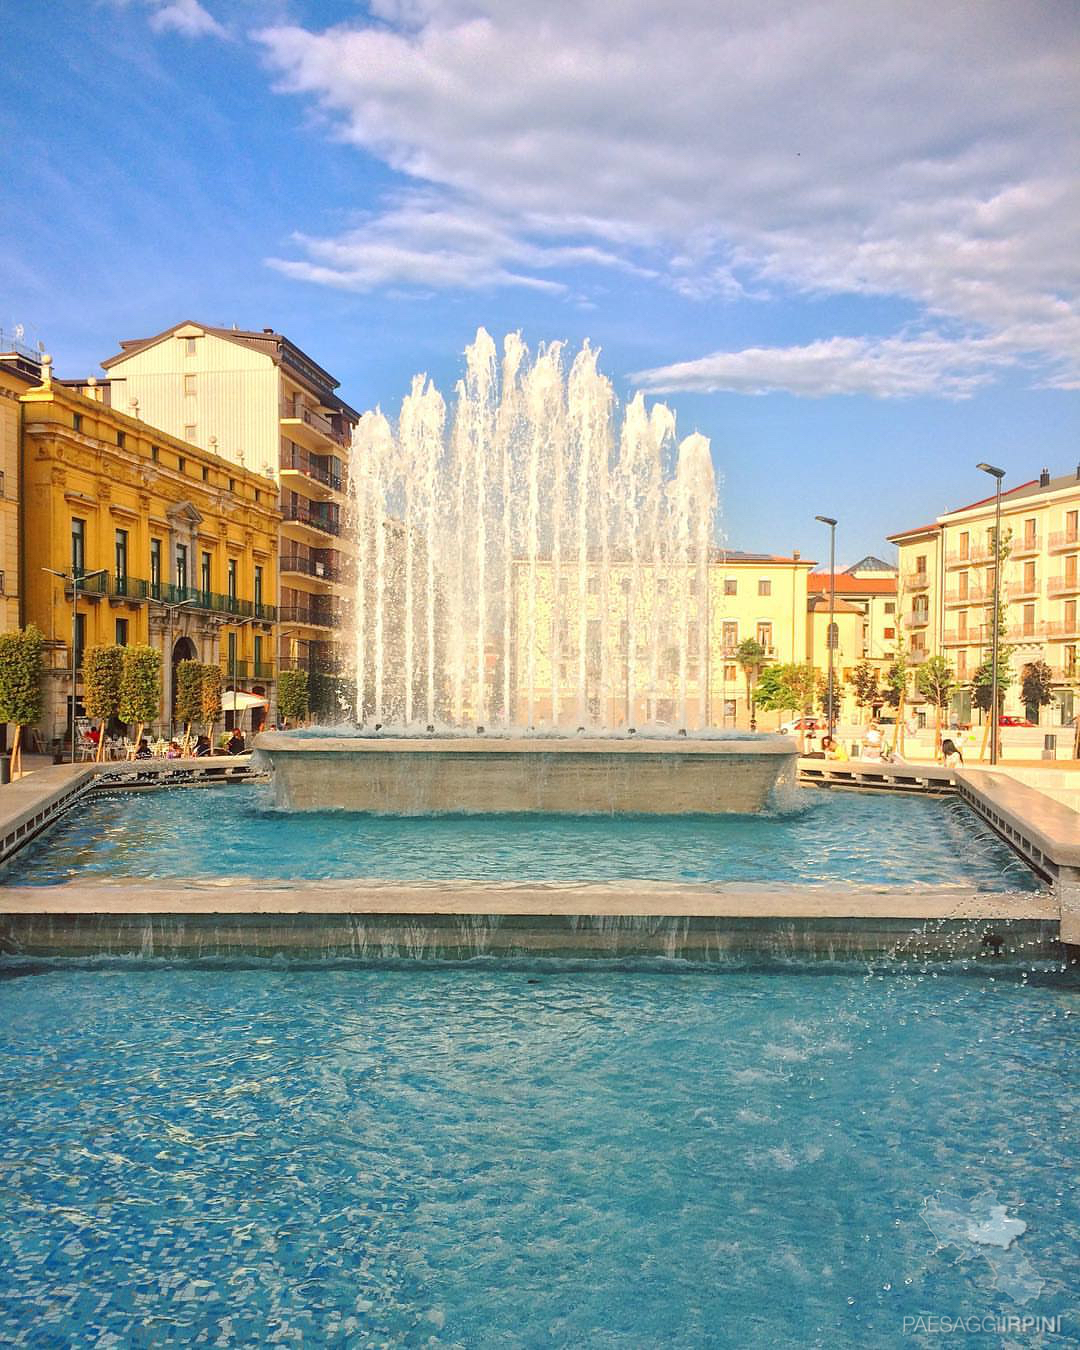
(661, 656)
(947, 587)
(257, 400)
(19, 370)
(867, 626)
(180, 547)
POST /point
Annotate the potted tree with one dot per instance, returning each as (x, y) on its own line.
(21, 670)
(102, 668)
(292, 696)
(936, 681)
(751, 656)
(140, 689)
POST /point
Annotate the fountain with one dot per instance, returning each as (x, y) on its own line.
(538, 574)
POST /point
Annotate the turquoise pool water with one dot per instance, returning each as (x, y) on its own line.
(235, 831)
(483, 1157)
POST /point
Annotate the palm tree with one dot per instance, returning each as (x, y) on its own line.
(751, 656)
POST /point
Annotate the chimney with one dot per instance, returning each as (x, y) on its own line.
(268, 331)
(1044, 478)
(1078, 473)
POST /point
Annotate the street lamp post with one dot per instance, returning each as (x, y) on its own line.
(74, 576)
(830, 716)
(997, 475)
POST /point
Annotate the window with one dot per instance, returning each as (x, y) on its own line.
(78, 545)
(155, 453)
(890, 632)
(155, 569)
(764, 586)
(1029, 577)
(232, 484)
(731, 672)
(730, 634)
(962, 624)
(764, 634)
(76, 422)
(80, 639)
(731, 585)
(258, 588)
(1029, 621)
(232, 578)
(121, 561)
(890, 606)
(1029, 533)
(121, 632)
(729, 707)
(963, 585)
(182, 565)
(258, 654)
(189, 346)
(181, 463)
(189, 384)
(920, 561)
(120, 439)
(205, 474)
(1070, 616)
(232, 648)
(206, 578)
(832, 636)
(1072, 524)
(965, 544)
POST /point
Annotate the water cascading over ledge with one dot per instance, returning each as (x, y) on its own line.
(531, 561)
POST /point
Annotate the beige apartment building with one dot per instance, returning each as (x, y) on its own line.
(256, 399)
(656, 654)
(946, 589)
(20, 370)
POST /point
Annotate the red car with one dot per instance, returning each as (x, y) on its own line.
(1011, 720)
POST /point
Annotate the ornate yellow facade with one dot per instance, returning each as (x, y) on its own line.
(18, 372)
(177, 548)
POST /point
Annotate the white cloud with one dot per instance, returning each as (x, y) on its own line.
(897, 367)
(921, 151)
(184, 16)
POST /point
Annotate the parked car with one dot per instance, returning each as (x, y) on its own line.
(802, 724)
(1012, 720)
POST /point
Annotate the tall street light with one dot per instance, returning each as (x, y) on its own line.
(997, 475)
(830, 715)
(74, 576)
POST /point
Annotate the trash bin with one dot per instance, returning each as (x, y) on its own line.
(5, 769)
(1049, 746)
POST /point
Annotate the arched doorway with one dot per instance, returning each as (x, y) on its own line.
(183, 650)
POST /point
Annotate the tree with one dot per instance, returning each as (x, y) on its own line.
(864, 683)
(751, 656)
(21, 672)
(102, 668)
(140, 688)
(189, 696)
(936, 681)
(1036, 687)
(821, 688)
(787, 688)
(292, 695)
(895, 691)
(210, 697)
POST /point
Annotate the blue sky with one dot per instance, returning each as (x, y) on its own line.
(840, 240)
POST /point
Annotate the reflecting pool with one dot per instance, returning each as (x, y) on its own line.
(479, 1156)
(234, 831)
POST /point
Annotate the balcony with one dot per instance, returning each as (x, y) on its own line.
(1023, 548)
(318, 665)
(310, 616)
(298, 513)
(235, 669)
(1062, 630)
(974, 595)
(916, 581)
(976, 555)
(1063, 540)
(296, 462)
(1027, 632)
(1066, 585)
(954, 639)
(918, 618)
(309, 567)
(310, 428)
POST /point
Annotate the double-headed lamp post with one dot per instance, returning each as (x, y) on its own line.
(74, 576)
(997, 475)
(830, 715)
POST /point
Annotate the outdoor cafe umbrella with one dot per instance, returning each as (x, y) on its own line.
(237, 700)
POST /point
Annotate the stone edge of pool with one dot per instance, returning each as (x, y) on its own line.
(1044, 832)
